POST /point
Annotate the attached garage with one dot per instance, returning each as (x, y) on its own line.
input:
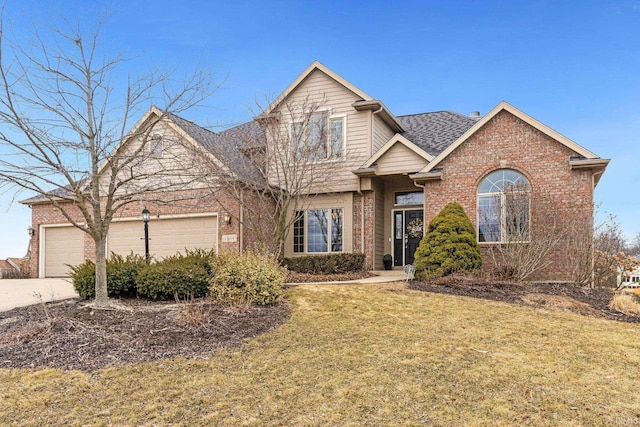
(166, 235)
(62, 245)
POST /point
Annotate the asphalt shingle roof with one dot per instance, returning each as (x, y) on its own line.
(434, 132)
(229, 145)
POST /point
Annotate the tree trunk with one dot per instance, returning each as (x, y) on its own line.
(102, 298)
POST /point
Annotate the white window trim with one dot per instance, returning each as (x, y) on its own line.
(503, 219)
(329, 232)
(329, 159)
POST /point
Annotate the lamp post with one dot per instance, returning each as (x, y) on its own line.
(145, 217)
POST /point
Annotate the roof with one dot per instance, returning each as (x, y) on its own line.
(434, 132)
(505, 106)
(4, 265)
(229, 146)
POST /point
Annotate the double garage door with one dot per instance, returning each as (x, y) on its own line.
(65, 245)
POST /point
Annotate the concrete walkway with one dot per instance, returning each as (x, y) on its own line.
(381, 276)
(23, 292)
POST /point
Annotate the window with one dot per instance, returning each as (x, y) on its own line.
(321, 138)
(323, 231)
(503, 207)
(155, 145)
(298, 232)
(409, 198)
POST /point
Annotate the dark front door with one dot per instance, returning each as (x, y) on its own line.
(406, 235)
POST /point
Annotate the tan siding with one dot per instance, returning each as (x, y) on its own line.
(381, 133)
(399, 159)
(320, 89)
(178, 168)
(344, 201)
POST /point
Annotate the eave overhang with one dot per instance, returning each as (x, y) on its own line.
(381, 110)
(582, 163)
(423, 177)
(365, 172)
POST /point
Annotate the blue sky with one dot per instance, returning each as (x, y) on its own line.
(573, 66)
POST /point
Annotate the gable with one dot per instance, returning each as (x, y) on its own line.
(314, 70)
(399, 159)
(533, 123)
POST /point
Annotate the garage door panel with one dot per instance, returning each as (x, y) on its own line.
(166, 236)
(62, 245)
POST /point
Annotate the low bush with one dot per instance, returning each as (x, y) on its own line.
(178, 276)
(121, 276)
(326, 264)
(247, 278)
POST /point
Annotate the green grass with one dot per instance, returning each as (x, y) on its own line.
(366, 355)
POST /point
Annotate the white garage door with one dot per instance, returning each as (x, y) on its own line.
(166, 236)
(62, 245)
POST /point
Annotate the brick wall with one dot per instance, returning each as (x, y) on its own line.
(174, 203)
(508, 142)
(364, 210)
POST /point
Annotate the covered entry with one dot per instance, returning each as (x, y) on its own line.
(407, 233)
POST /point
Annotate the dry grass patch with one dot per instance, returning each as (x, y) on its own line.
(626, 303)
(557, 302)
(365, 355)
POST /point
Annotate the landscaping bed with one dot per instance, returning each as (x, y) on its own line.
(70, 335)
(293, 277)
(556, 296)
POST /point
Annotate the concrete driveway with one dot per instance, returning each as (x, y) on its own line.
(22, 292)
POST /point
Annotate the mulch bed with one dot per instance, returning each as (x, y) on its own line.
(566, 297)
(293, 277)
(70, 335)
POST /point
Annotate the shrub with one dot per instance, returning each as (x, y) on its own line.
(247, 278)
(121, 276)
(449, 246)
(326, 264)
(177, 276)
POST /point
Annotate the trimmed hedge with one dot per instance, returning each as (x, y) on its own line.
(177, 276)
(247, 278)
(121, 276)
(326, 264)
(449, 246)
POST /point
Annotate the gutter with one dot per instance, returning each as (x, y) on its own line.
(379, 109)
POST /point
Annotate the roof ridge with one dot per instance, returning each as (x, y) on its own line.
(432, 112)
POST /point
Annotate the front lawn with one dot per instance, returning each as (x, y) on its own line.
(365, 355)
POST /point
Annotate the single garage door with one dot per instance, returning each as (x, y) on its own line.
(166, 236)
(62, 245)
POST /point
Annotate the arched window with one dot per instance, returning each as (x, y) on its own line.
(503, 207)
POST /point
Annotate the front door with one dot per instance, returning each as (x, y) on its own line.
(407, 233)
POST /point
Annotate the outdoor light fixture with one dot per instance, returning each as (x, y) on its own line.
(31, 231)
(227, 218)
(146, 215)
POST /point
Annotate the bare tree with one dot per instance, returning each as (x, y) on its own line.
(528, 234)
(592, 250)
(279, 166)
(66, 110)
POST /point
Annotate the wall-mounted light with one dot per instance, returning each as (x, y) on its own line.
(227, 218)
(31, 231)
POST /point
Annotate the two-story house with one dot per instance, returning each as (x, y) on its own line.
(384, 178)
